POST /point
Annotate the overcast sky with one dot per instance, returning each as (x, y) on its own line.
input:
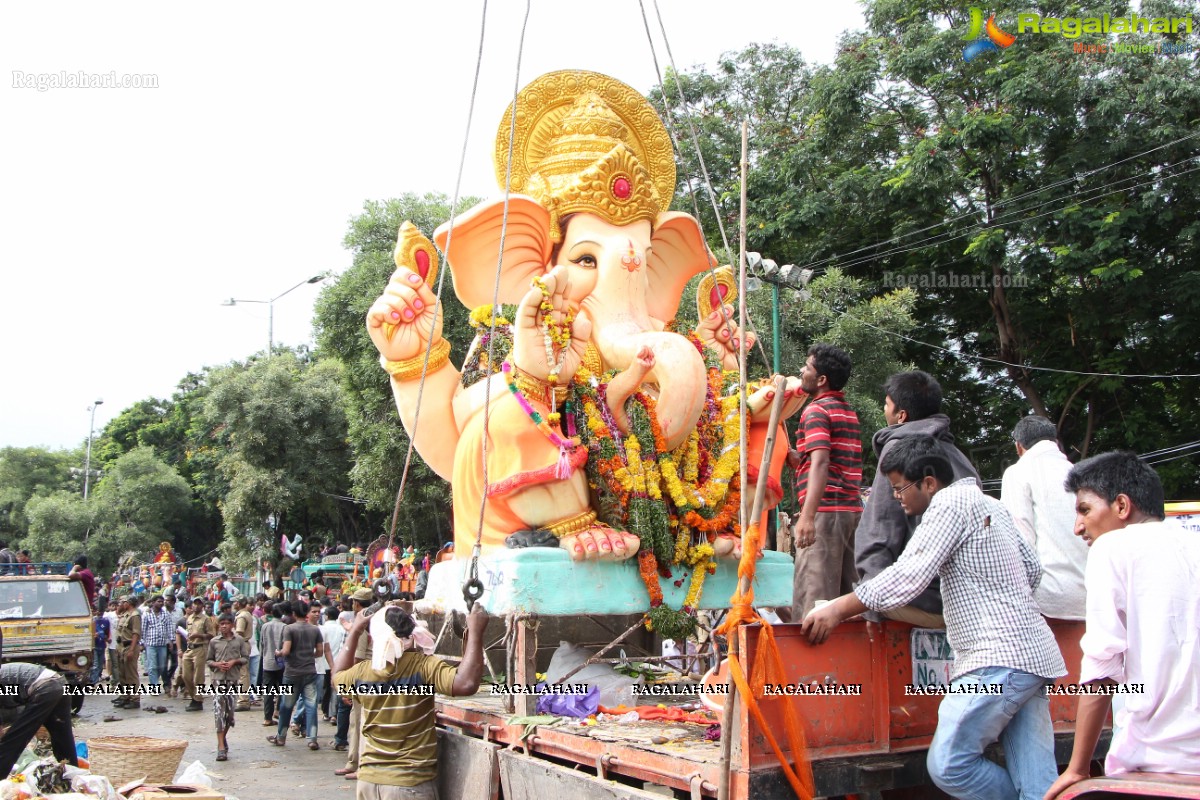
(128, 215)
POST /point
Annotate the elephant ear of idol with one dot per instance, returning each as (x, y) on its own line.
(473, 247)
(677, 254)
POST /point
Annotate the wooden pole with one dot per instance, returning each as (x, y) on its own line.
(729, 715)
(753, 511)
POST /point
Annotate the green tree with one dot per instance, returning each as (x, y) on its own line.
(140, 502)
(60, 526)
(137, 504)
(26, 473)
(173, 428)
(278, 428)
(378, 440)
(1058, 179)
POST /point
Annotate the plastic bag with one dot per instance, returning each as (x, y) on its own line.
(569, 705)
(10, 790)
(615, 689)
(26, 758)
(85, 782)
(45, 776)
(194, 774)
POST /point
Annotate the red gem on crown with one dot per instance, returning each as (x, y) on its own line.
(622, 188)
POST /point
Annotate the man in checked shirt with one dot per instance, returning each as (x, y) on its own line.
(999, 637)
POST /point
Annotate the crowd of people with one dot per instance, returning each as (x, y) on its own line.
(281, 657)
(929, 547)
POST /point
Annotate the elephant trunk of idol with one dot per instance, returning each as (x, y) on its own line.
(679, 370)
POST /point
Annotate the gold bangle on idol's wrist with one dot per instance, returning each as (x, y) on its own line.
(410, 368)
(537, 389)
(573, 525)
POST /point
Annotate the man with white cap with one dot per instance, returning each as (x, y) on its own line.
(395, 687)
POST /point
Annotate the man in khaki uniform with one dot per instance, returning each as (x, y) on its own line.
(201, 628)
(129, 635)
(243, 626)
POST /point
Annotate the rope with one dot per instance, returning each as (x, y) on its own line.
(472, 586)
(441, 281)
(662, 90)
(897, 239)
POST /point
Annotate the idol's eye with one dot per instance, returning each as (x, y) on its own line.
(586, 261)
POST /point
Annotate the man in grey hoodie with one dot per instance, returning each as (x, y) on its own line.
(912, 404)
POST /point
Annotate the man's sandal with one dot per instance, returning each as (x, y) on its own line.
(222, 755)
(278, 741)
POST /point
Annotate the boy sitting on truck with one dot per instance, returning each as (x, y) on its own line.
(1143, 623)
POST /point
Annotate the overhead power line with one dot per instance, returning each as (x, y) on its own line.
(819, 263)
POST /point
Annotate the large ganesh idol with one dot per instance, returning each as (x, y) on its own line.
(608, 434)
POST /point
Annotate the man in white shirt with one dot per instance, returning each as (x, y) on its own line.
(1143, 623)
(334, 634)
(1044, 512)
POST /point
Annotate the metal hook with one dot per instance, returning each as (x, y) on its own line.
(472, 591)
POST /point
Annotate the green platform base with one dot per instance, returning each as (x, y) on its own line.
(545, 581)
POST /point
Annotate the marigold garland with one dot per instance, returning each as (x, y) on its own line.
(703, 562)
(674, 501)
(648, 569)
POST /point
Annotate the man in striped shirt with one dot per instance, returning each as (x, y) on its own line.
(827, 483)
(398, 758)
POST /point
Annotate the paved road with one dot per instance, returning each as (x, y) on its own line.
(256, 769)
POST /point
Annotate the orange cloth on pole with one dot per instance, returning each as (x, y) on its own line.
(768, 668)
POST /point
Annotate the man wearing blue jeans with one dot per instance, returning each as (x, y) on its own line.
(158, 631)
(1004, 652)
(301, 645)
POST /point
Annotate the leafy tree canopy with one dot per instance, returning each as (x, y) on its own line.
(28, 472)
(279, 430)
(1056, 185)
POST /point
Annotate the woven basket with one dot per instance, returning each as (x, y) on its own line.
(122, 759)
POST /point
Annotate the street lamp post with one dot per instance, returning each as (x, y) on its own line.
(270, 304)
(788, 275)
(87, 460)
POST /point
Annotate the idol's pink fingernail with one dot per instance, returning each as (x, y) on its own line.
(417, 304)
(414, 278)
(408, 314)
(395, 315)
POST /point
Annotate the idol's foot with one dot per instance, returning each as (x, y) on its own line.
(602, 543)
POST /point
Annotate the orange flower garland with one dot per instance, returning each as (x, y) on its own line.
(648, 569)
